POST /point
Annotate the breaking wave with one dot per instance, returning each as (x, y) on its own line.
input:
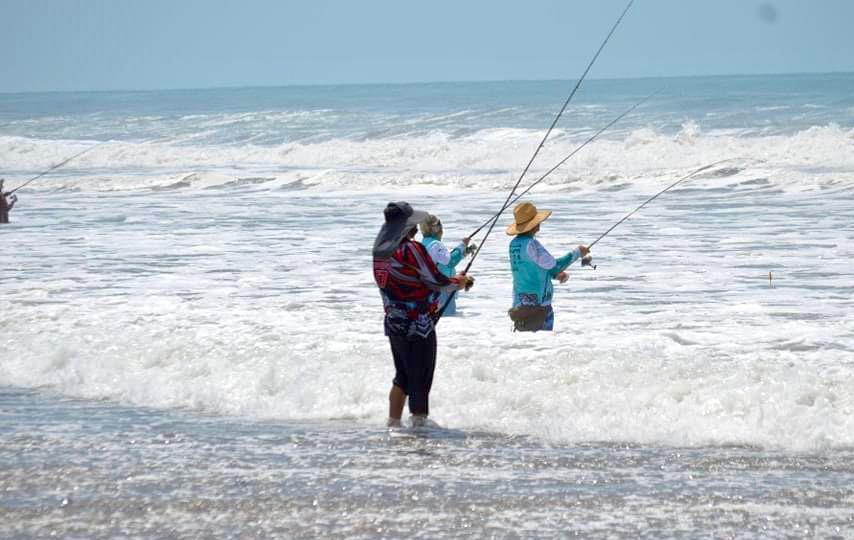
(488, 158)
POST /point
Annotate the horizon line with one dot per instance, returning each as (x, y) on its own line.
(416, 83)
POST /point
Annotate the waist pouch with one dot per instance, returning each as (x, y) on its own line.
(528, 318)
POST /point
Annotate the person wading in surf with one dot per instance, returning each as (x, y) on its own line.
(446, 261)
(6, 204)
(533, 269)
(410, 285)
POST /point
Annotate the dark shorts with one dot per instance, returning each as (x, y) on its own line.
(414, 363)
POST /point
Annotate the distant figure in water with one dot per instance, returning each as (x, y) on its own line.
(533, 269)
(446, 261)
(6, 204)
(410, 285)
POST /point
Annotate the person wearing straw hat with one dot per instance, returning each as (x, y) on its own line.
(446, 261)
(6, 205)
(533, 269)
(410, 285)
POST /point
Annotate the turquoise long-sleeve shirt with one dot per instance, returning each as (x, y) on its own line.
(533, 270)
(446, 261)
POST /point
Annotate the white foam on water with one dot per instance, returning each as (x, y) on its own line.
(260, 302)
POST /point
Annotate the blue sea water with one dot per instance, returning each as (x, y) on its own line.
(271, 116)
(191, 343)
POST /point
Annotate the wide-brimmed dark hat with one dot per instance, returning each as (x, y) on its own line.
(400, 217)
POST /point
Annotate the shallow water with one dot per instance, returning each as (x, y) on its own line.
(73, 468)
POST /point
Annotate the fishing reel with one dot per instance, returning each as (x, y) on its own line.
(587, 260)
(471, 248)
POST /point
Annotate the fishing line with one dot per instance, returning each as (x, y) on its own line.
(543, 142)
(564, 160)
(587, 260)
(58, 165)
(539, 147)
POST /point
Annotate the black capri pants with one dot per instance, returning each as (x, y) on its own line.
(414, 363)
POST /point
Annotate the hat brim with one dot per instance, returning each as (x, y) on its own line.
(417, 218)
(529, 225)
(391, 234)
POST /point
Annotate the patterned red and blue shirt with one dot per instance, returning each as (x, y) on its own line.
(410, 285)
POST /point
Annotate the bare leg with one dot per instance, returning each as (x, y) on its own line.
(396, 401)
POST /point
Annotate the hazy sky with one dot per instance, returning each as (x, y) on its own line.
(145, 44)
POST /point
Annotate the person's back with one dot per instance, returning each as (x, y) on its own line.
(5, 205)
(409, 284)
(530, 264)
(446, 261)
(410, 287)
(533, 269)
(4, 209)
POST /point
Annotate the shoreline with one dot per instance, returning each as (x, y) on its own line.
(96, 469)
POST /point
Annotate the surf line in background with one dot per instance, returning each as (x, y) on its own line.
(58, 165)
(561, 162)
(536, 152)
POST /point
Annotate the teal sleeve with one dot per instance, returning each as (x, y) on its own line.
(562, 263)
(457, 255)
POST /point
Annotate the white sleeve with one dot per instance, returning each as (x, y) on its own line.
(540, 255)
(439, 253)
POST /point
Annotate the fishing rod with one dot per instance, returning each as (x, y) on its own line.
(587, 260)
(58, 165)
(543, 142)
(537, 151)
(564, 160)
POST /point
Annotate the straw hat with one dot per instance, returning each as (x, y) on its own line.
(400, 218)
(526, 217)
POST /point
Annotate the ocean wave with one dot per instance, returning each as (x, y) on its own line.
(662, 389)
(250, 294)
(486, 158)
